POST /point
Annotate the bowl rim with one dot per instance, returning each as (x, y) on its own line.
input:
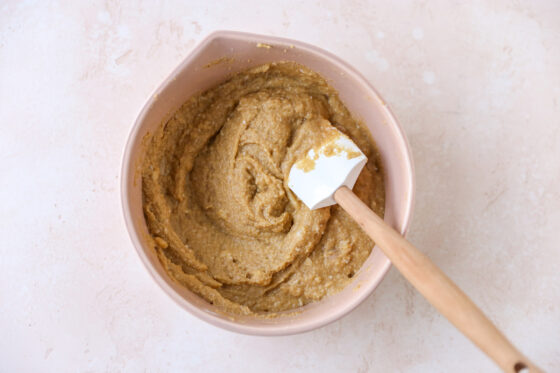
(230, 324)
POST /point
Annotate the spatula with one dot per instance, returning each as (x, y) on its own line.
(326, 175)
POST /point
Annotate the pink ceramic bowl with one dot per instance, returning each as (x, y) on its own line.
(219, 55)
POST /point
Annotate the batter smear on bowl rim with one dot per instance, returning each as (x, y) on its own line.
(215, 196)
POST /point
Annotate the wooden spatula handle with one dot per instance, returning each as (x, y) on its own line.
(435, 286)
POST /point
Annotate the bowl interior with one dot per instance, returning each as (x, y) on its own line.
(218, 56)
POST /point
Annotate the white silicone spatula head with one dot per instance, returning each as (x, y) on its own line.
(335, 162)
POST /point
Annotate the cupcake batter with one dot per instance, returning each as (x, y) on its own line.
(222, 218)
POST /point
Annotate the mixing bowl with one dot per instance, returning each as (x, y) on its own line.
(218, 56)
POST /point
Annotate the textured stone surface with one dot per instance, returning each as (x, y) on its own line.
(475, 85)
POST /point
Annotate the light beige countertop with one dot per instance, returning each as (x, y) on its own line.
(476, 86)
